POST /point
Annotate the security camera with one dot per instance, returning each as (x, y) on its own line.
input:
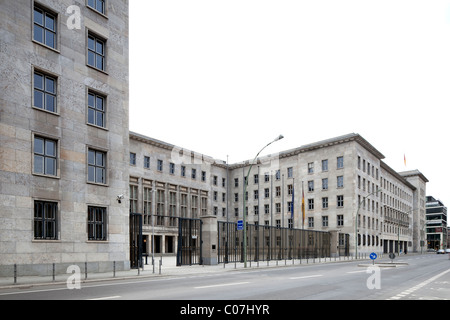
(119, 198)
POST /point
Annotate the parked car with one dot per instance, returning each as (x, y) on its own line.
(447, 250)
(440, 251)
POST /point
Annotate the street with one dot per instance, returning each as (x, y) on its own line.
(416, 277)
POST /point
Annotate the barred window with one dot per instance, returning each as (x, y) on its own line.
(97, 230)
(45, 220)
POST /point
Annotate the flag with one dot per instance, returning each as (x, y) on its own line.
(404, 159)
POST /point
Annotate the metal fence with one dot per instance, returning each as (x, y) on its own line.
(266, 243)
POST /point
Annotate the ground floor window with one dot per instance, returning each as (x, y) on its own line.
(97, 230)
(45, 220)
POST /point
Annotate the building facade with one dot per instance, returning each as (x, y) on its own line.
(71, 172)
(436, 225)
(342, 181)
(64, 132)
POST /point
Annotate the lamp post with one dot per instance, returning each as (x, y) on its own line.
(356, 220)
(245, 191)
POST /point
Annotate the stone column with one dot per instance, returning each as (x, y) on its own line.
(209, 240)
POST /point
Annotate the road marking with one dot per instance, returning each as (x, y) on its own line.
(360, 271)
(306, 277)
(222, 285)
(105, 298)
(417, 287)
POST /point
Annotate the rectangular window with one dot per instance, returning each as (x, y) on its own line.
(340, 162)
(340, 220)
(172, 168)
(325, 184)
(97, 224)
(45, 220)
(340, 201)
(45, 156)
(340, 181)
(132, 158)
(96, 52)
(311, 186)
(96, 109)
(325, 165)
(98, 5)
(44, 92)
(290, 172)
(159, 166)
(146, 162)
(96, 166)
(44, 28)
(325, 221)
(325, 203)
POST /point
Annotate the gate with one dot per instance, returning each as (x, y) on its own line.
(135, 240)
(270, 243)
(189, 242)
(344, 244)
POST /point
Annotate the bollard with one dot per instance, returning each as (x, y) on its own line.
(114, 269)
(85, 271)
(15, 273)
(160, 264)
(53, 271)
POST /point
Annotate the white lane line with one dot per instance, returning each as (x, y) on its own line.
(306, 277)
(222, 285)
(105, 298)
(360, 271)
(417, 287)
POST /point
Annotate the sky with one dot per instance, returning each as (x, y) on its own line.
(224, 78)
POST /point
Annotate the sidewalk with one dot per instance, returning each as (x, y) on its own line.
(167, 268)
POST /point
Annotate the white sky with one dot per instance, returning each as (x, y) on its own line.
(226, 77)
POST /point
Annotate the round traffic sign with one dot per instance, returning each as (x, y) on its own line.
(373, 256)
(392, 256)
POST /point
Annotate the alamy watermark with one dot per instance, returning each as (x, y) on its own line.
(74, 280)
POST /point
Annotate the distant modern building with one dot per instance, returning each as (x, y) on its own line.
(436, 225)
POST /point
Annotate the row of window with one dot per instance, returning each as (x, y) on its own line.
(309, 205)
(45, 31)
(172, 169)
(45, 160)
(45, 84)
(47, 222)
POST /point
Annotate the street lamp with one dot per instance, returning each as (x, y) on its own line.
(245, 191)
(356, 220)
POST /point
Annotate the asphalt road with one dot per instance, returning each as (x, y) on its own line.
(421, 277)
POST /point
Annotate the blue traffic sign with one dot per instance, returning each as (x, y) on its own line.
(240, 225)
(373, 256)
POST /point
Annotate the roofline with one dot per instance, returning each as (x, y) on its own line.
(413, 173)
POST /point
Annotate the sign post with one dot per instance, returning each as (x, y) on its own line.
(240, 225)
(373, 256)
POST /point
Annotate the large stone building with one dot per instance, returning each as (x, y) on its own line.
(343, 182)
(63, 132)
(71, 172)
